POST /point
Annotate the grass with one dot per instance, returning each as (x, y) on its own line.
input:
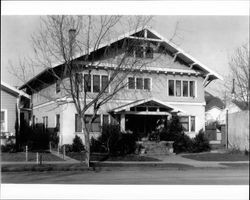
(218, 157)
(236, 165)
(20, 156)
(105, 157)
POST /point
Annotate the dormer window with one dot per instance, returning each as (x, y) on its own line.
(139, 52)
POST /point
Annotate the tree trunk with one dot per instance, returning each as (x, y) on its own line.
(87, 143)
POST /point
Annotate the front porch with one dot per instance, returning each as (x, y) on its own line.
(144, 116)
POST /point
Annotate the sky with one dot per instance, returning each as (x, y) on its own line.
(209, 39)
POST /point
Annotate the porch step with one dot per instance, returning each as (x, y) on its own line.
(156, 148)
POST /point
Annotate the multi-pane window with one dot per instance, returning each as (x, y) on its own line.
(147, 84)
(87, 82)
(178, 88)
(3, 121)
(188, 123)
(131, 83)
(171, 87)
(181, 88)
(139, 83)
(96, 83)
(140, 52)
(184, 120)
(58, 86)
(95, 126)
(185, 88)
(191, 89)
(105, 83)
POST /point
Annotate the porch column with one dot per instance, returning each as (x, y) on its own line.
(122, 122)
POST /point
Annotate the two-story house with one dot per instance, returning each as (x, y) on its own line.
(172, 82)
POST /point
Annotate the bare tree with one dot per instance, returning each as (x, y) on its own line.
(82, 43)
(238, 82)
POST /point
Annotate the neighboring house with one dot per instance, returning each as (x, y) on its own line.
(214, 107)
(12, 109)
(173, 84)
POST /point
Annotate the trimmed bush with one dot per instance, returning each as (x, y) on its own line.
(77, 145)
(200, 143)
(10, 148)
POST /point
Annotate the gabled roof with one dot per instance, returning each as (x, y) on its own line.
(175, 50)
(212, 101)
(241, 104)
(126, 107)
(13, 90)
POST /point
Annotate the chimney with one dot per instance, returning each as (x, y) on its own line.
(72, 35)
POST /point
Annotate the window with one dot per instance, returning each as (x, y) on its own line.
(105, 119)
(139, 83)
(34, 121)
(184, 122)
(3, 120)
(149, 52)
(171, 87)
(147, 84)
(95, 126)
(78, 81)
(192, 89)
(96, 83)
(185, 88)
(87, 82)
(178, 88)
(192, 123)
(58, 122)
(188, 123)
(131, 83)
(58, 86)
(105, 83)
(139, 52)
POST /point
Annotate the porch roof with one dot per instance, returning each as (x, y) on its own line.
(144, 102)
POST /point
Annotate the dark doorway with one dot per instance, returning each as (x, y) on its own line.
(142, 125)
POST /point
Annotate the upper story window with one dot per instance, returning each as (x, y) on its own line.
(58, 86)
(99, 82)
(140, 52)
(181, 88)
(79, 81)
(139, 83)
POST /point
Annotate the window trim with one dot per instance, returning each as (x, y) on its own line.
(100, 82)
(5, 119)
(188, 87)
(189, 123)
(58, 86)
(143, 78)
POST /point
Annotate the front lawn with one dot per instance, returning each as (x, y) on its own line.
(105, 157)
(20, 156)
(217, 157)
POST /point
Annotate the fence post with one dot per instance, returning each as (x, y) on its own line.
(37, 158)
(26, 153)
(227, 128)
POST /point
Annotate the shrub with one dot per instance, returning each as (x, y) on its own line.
(183, 143)
(10, 148)
(154, 136)
(68, 148)
(172, 130)
(77, 145)
(114, 142)
(200, 143)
